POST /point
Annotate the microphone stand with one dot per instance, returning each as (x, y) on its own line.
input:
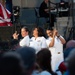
(57, 14)
(49, 13)
(49, 2)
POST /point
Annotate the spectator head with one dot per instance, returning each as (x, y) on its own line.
(70, 62)
(44, 59)
(70, 43)
(24, 31)
(28, 55)
(67, 52)
(11, 64)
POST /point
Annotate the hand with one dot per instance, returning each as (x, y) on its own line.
(15, 35)
(55, 32)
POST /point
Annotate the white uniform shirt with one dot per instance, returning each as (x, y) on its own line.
(24, 41)
(58, 47)
(38, 43)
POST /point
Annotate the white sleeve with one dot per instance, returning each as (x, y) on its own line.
(61, 37)
(44, 45)
(24, 41)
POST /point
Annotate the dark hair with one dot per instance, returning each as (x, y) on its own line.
(28, 55)
(26, 29)
(40, 31)
(10, 64)
(70, 62)
(44, 60)
(50, 28)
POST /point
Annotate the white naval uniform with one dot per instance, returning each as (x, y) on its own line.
(56, 51)
(25, 41)
(38, 43)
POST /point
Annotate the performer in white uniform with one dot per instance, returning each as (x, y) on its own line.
(38, 41)
(24, 33)
(55, 44)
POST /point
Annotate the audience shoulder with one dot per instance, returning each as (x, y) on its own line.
(45, 73)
